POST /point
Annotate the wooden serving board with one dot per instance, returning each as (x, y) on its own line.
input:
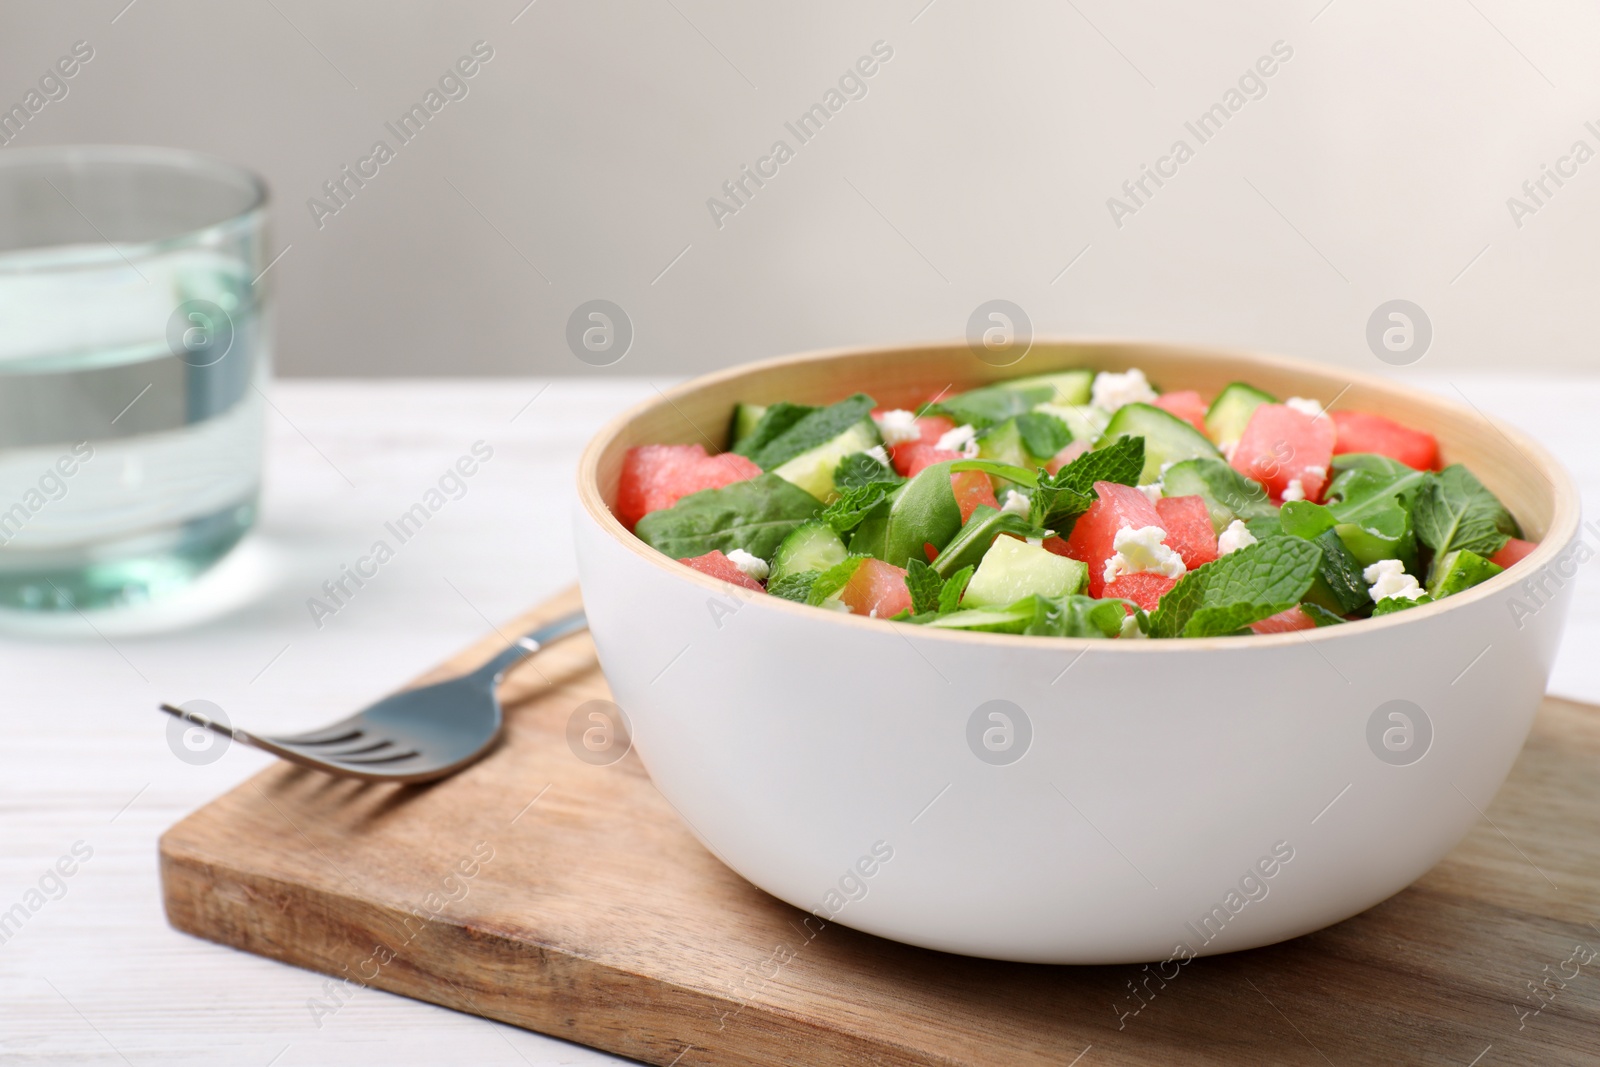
(564, 897)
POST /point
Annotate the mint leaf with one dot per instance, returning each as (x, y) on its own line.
(773, 422)
(813, 428)
(1179, 603)
(833, 579)
(1454, 511)
(854, 505)
(859, 469)
(1243, 587)
(754, 515)
(1063, 496)
(796, 587)
(1043, 435)
(1391, 604)
(954, 586)
(1121, 461)
(925, 586)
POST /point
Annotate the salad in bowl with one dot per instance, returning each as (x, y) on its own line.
(1129, 652)
(1078, 503)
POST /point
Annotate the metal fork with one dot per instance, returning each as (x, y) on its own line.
(414, 736)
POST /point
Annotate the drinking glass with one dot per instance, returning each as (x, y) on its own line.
(134, 346)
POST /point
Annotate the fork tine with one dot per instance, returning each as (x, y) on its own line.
(416, 735)
(374, 747)
(378, 760)
(341, 732)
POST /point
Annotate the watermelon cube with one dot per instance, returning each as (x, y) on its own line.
(932, 427)
(1285, 622)
(1281, 446)
(1093, 535)
(657, 476)
(971, 489)
(719, 566)
(1516, 551)
(1361, 431)
(1145, 590)
(1190, 534)
(1187, 405)
(877, 589)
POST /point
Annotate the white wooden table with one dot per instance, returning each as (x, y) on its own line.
(96, 976)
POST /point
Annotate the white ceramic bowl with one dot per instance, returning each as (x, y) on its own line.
(1176, 798)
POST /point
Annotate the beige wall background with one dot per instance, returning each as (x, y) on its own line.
(1375, 163)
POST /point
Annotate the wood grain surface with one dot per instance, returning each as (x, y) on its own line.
(565, 897)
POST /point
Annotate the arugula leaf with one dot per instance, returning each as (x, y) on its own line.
(1321, 615)
(992, 404)
(754, 515)
(1369, 485)
(813, 428)
(1373, 462)
(833, 579)
(1075, 615)
(1228, 594)
(1454, 511)
(954, 586)
(1010, 473)
(855, 505)
(1012, 619)
(1373, 498)
(1063, 496)
(773, 422)
(925, 586)
(977, 534)
(796, 587)
(1043, 435)
(858, 469)
(1302, 518)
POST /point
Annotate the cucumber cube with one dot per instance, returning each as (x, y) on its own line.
(1012, 569)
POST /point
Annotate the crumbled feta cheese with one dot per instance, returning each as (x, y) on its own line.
(1227, 449)
(1016, 503)
(1130, 627)
(1295, 490)
(1388, 578)
(1152, 492)
(1304, 406)
(1140, 551)
(836, 605)
(752, 565)
(1036, 542)
(963, 439)
(877, 453)
(898, 427)
(1235, 537)
(1111, 391)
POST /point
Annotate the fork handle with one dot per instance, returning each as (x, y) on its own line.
(532, 642)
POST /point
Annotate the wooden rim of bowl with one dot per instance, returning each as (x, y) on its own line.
(1534, 486)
